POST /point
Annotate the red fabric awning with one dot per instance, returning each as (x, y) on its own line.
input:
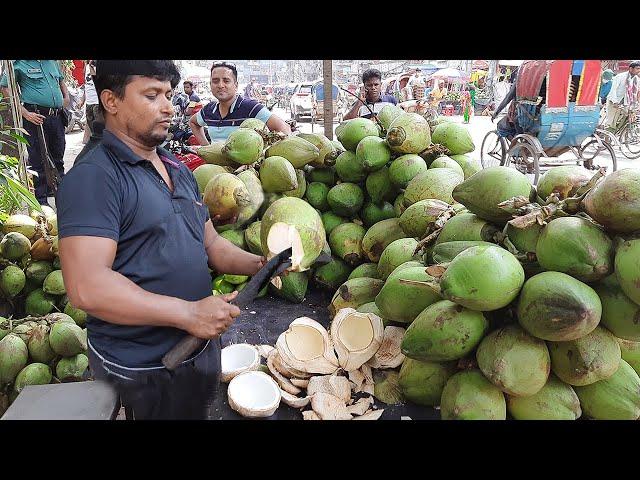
(558, 83)
(589, 83)
(530, 77)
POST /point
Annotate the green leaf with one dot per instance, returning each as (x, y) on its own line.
(19, 137)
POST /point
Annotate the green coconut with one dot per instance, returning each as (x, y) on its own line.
(615, 201)
(405, 168)
(555, 401)
(333, 274)
(345, 241)
(563, 181)
(586, 360)
(416, 218)
(630, 352)
(204, 173)
(514, 361)
(446, 252)
(379, 186)
(54, 284)
(253, 123)
(369, 270)
(19, 223)
(4, 327)
(56, 265)
(423, 382)
(349, 168)
(355, 292)
(397, 252)
(373, 153)
(555, 306)
(401, 302)
(269, 199)
(243, 146)
(350, 132)
(225, 195)
(14, 246)
(38, 345)
(438, 183)
(32, 374)
(469, 166)
(387, 387)
(524, 239)
(483, 278)
(330, 221)
(78, 316)
(388, 114)
(409, 133)
(214, 155)
(316, 196)
(294, 287)
(72, 368)
(345, 199)
(444, 331)
(446, 162)
(455, 137)
(619, 313)
(398, 205)
(615, 398)
(39, 303)
(482, 192)
(12, 281)
(236, 237)
(468, 395)
(627, 268)
(323, 175)
(252, 238)
(38, 271)
(296, 150)
(13, 357)
(277, 175)
(577, 247)
(466, 226)
(256, 199)
(306, 220)
(67, 339)
(301, 189)
(379, 236)
(372, 213)
(327, 150)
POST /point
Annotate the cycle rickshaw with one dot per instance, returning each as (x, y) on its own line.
(555, 111)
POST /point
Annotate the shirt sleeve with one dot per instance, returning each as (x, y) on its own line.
(199, 118)
(88, 202)
(264, 114)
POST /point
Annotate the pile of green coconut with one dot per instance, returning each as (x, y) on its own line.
(42, 336)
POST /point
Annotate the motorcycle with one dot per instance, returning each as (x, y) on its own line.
(75, 113)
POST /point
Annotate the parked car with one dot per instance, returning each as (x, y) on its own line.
(300, 103)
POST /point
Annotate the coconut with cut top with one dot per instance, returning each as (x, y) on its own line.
(357, 337)
(238, 358)
(254, 394)
(306, 346)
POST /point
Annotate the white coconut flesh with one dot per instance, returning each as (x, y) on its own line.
(306, 347)
(254, 394)
(238, 358)
(282, 236)
(357, 337)
(389, 355)
(305, 343)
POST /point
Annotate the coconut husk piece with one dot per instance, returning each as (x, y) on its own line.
(325, 363)
(331, 384)
(356, 377)
(352, 358)
(293, 401)
(369, 385)
(283, 381)
(371, 415)
(310, 415)
(361, 406)
(264, 350)
(389, 355)
(287, 370)
(329, 407)
(300, 382)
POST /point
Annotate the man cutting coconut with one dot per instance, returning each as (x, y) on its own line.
(135, 246)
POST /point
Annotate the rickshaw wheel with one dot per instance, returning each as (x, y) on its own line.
(630, 141)
(588, 160)
(525, 161)
(493, 151)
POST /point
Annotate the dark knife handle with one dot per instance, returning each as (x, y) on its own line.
(180, 352)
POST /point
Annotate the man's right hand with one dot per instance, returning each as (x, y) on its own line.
(33, 117)
(212, 316)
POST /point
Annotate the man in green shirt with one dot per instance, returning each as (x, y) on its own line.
(43, 95)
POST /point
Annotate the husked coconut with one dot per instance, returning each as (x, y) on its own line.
(300, 382)
(360, 407)
(329, 407)
(283, 381)
(371, 415)
(264, 350)
(293, 401)
(238, 358)
(254, 394)
(306, 346)
(389, 355)
(357, 337)
(282, 236)
(331, 384)
(310, 415)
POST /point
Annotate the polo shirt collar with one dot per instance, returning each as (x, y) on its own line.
(125, 154)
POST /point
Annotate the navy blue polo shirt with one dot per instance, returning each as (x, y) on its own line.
(115, 194)
(241, 109)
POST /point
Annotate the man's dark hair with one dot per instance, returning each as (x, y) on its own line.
(230, 66)
(187, 82)
(634, 64)
(371, 73)
(117, 78)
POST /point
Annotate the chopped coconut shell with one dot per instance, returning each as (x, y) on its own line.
(282, 236)
(254, 394)
(282, 367)
(277, 282)
(389, 355)
(331, 384)
(238, 358)
(357, 379)
(264, 350)
(293, 401)
(371, 415)
(368, 385)
(310, 415)
(294, 371)
(356, 336)
(329, 407)
(306, 346)
(283, 381)
(360, 407)
(300, 382)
